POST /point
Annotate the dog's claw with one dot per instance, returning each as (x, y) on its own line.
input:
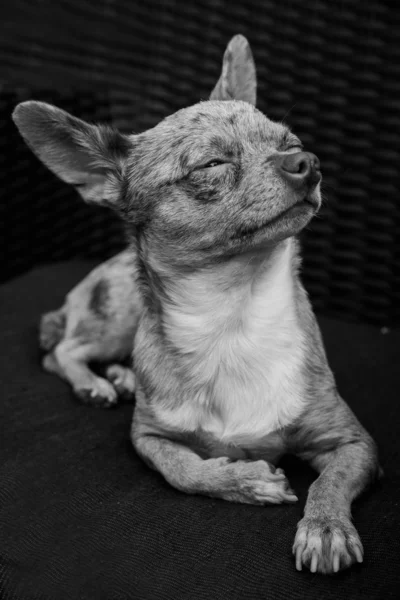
(358, 553)
(278, 477)
(299, 554)
(291, 498)
(335, 562)
(314, 562)
(101, 393)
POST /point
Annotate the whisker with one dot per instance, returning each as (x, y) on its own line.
(289, 111)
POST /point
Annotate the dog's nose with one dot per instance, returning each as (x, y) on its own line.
(300, 169)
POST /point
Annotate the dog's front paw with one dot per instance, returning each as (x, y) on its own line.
(259, 483)
(326, 544)
(100, 393)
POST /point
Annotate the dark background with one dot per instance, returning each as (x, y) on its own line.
(331, 70)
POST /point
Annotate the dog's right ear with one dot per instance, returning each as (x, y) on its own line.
(238, 78)
(89, 157)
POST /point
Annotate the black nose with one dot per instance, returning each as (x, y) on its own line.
(300, 169)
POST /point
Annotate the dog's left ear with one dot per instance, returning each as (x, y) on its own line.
(238, 78)
(89, 157)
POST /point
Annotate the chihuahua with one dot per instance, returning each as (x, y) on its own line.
(230, 371)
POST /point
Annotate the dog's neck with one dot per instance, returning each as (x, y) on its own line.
(230, 296)
(235, 344)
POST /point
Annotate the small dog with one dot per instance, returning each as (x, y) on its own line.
(230, 367)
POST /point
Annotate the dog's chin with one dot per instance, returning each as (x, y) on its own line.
(285, 224)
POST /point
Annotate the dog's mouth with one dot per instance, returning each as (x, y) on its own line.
(309, 203)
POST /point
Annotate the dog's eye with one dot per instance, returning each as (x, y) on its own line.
(212, 163)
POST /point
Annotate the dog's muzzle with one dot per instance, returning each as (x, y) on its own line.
(301, 170)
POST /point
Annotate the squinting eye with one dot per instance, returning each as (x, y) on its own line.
(297, 147)
(213, 163)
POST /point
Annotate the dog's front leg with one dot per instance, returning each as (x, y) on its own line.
(251, 482)
(326, 539)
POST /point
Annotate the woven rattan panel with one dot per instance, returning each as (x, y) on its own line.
(329, 69)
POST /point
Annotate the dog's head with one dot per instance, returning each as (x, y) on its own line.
(212, 180)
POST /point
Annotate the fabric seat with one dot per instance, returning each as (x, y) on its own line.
(81, 516)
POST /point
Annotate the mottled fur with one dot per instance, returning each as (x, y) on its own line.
(231, 370)
(97, 323)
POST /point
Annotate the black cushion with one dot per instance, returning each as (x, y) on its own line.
(81, 516)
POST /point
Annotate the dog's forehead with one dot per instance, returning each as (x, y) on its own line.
(233, 118)
(200, 123)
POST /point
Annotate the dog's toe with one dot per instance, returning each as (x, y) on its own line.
(259, 483)
(100, 393)
(326, 544)
(123, 380)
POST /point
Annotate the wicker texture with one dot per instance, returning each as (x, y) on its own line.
(329, 69)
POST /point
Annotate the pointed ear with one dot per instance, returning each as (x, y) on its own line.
(238, 78)
(89, 157)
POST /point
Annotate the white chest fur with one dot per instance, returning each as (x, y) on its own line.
(242, 351)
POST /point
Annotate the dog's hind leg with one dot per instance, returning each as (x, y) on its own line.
(50, 364)
(52, 328)
(69, 360)
(123, 380)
